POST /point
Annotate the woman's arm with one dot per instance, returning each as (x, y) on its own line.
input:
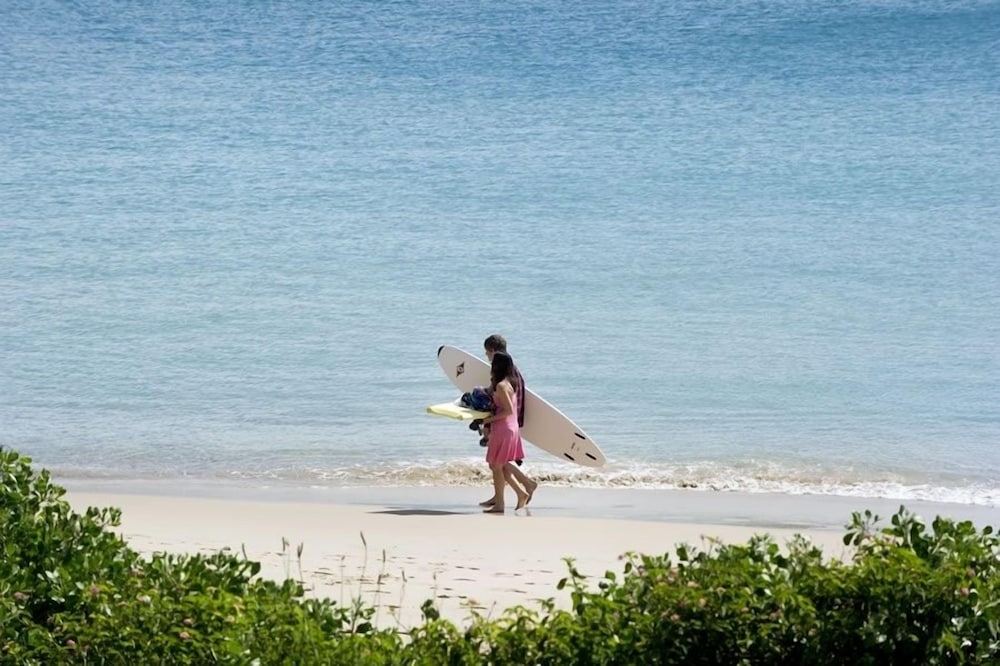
(504, 394)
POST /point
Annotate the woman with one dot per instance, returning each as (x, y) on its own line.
(504, 443)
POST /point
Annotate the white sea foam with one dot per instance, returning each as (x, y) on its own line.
(701, 478)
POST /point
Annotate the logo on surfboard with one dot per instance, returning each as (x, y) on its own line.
(460, 369)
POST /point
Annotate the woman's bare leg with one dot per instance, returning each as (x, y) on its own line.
(484, 430)
(498, 486)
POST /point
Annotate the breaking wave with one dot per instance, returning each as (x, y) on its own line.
(754, 477)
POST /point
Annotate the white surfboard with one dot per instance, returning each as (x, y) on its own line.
(544, 425)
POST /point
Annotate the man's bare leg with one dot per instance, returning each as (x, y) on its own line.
(522, 494)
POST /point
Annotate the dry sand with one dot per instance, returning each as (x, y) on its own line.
(396, 557)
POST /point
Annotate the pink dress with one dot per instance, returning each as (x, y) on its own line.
(505, 438)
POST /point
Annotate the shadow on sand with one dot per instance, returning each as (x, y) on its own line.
(418, 512)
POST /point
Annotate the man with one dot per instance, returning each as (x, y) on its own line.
(491, 345)
(497, 343)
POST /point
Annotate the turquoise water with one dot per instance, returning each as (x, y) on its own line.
(746, 246)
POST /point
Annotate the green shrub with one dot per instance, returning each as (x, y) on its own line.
(908, 596)
(71, 591)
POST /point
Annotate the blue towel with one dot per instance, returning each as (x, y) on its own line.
(478, 399)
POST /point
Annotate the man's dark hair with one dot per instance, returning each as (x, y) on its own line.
(495, 343)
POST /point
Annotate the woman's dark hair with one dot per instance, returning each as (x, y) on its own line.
(501, 368)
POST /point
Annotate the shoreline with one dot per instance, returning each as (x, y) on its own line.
(845, 480)
(736, 508)
(396, 547)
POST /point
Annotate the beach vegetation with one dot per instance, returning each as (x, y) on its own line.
(73, 591)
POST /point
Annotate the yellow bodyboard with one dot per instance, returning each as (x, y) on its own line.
(455, 411)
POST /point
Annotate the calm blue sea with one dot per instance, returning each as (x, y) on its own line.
(745, 245)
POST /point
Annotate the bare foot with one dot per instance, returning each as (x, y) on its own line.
(522, 501)
(490, 502)
(530, 486)
(495, 509)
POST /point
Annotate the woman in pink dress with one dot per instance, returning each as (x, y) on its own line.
(505, 435)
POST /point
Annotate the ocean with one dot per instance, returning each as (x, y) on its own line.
(746, 246)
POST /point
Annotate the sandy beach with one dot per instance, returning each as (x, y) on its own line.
(394, 555)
